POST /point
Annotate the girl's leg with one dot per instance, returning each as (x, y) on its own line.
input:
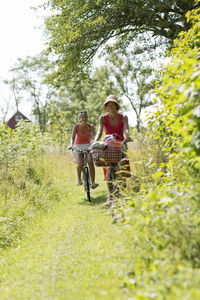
(79, 160)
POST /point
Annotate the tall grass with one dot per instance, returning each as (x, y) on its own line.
(160, 207)
(27, 183)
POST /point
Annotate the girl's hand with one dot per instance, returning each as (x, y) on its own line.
(69, 147)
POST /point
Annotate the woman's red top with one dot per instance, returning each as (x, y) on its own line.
(82, 138)
(110, 129)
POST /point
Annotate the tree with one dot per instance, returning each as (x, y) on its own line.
(4, 109)
(12, 86)
(124, 76)
(134, 76)
(29, 83)
(177, 121)
(77, 29)
(88, 93)
(6, 101)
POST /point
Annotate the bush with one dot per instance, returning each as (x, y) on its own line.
(162, 218)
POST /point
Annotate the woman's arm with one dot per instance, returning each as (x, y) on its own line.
(100, 129)
(74, 130)
(126, 129)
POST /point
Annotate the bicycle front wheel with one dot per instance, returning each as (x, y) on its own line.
(86, 180)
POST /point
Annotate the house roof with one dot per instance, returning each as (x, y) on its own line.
(12, 122)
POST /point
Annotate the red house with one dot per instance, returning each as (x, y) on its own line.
(15, 118)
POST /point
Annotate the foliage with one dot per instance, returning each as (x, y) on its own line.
(177, 121)
(160, 213)
(163, 224)
(25, 186)
(77, 29)
(159, 210)
(163, 214)
(6, 103)
(88, 93)
(58, 126)
(124, 75)
(134, 76)
(29, 84)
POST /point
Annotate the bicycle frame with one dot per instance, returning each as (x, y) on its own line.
(86, 175)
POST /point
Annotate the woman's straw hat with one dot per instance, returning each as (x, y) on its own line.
(111, 98)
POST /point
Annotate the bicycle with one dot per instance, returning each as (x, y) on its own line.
(114, 173)
(86, 174)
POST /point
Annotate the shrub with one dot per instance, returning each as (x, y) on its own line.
(163, 218)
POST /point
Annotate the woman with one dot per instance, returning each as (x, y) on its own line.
(112, 122)
(82, 134)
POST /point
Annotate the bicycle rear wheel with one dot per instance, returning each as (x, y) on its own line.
(113, 185)
(86, 182)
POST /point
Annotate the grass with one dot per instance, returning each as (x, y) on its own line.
(146, 246)
(74, 251)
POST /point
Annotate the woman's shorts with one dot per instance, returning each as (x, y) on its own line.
(79, 147)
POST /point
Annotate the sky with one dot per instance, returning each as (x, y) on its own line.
(20, 36)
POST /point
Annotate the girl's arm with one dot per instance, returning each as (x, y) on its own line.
(74, 130)
(92, 134)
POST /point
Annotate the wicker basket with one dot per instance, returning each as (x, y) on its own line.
(111, 155)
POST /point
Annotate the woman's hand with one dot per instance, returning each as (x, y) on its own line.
(69, 147)
(128, 139)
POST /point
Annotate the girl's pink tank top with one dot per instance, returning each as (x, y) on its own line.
(110, 129)
(82, 138)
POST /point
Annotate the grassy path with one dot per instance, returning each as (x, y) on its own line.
(72, 252)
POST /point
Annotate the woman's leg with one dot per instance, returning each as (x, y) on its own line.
(112, 188)
(109, 186)
(121, 180)
(92, 170)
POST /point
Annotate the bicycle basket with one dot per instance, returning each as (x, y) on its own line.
(98, 157)
(111, 155)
